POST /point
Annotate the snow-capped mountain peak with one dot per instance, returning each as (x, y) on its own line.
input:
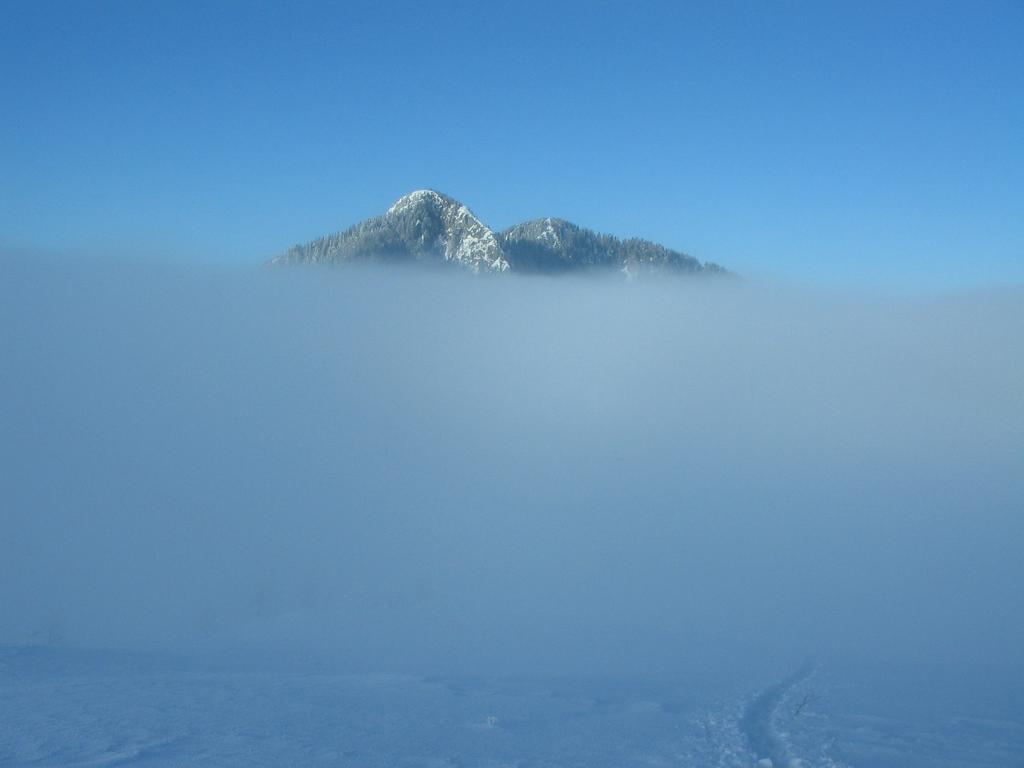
(427, 225)
(435, 222)
(418, 198)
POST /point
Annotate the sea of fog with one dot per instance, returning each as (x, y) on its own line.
(389, 516)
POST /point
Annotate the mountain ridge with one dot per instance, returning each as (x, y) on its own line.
(430, 226)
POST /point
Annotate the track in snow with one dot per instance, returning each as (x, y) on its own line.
(756, 723)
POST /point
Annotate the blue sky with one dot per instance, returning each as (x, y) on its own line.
(848, 143)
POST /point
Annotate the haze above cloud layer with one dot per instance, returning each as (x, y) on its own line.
(409, 471)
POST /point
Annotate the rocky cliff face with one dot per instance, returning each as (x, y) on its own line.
(436, 224)
(428, 226)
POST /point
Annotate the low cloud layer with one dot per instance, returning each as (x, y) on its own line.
(415, 471)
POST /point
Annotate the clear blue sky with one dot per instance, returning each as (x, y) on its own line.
(861, 142)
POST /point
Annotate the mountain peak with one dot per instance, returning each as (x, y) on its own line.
(548, 229)
(426, 225)
(421, 197)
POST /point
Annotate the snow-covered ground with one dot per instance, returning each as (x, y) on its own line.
(75, 708)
